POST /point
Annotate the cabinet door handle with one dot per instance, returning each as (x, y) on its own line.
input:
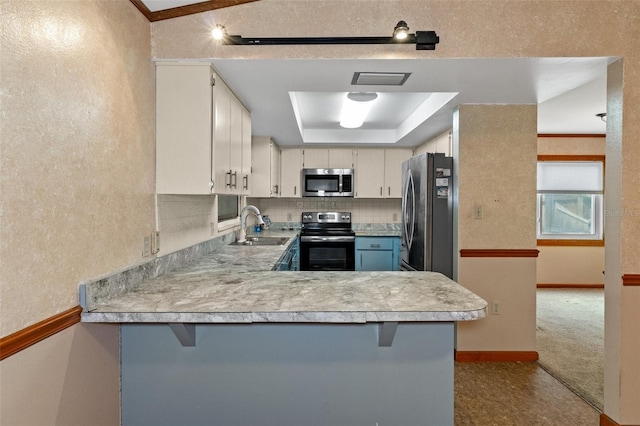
(375, 245)
(234, 176)
(246, 182)
(389, 191)
(227, 182)
(211, 185)
(381, 191)
(276, 189)
(295, 190)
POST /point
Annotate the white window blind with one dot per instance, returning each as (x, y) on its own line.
(572, 176)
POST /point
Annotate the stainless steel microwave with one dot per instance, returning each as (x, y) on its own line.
(327, 182)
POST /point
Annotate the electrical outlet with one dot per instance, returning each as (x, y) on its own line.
(146, 246)
(495, 307)
(477, 212)
(152, 238)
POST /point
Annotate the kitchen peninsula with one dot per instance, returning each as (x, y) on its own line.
(285, 348)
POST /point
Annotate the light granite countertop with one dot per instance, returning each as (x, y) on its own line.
(235, 284)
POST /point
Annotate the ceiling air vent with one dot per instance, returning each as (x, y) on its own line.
(379, 78)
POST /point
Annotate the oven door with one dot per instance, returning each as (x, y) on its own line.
(319, 253)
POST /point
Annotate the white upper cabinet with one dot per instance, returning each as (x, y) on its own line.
(231, 122)
(183, 129)
(246, 153)
(369, 172)
(266, 167)
(341, 158)
(315, 158)
(203, 133)
(290, 176)
(223, 174)
(393, 159)
(379, 172)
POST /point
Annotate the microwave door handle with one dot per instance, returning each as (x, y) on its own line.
(340, 184)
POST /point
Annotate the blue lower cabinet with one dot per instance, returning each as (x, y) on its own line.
(377, 253)
(290, 260)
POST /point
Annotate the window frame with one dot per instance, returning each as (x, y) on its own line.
(225, 225)
(563, 241)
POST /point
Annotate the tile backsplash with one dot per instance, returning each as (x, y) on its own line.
(362, 210)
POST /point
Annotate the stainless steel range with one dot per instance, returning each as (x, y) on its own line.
(327, 242)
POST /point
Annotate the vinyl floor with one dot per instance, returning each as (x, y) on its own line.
(516, 393)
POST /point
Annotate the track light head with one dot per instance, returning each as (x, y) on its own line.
(401, 31)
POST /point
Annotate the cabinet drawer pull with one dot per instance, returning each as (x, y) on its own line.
(375, 245)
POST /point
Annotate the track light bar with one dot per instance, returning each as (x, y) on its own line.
(424, 40)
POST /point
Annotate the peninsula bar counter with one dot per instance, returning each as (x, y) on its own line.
(224, 340)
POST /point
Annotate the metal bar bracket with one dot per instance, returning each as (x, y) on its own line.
(186, 333)
(386, 333)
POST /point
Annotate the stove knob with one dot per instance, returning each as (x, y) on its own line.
(345, 217)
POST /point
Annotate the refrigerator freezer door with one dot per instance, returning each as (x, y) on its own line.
(427, 243)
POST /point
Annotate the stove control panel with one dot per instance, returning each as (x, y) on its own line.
(326, 217)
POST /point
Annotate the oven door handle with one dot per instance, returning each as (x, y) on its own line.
(320, 239)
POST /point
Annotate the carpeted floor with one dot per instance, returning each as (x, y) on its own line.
(570, 333)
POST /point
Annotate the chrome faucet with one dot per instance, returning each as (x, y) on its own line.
(243, 221)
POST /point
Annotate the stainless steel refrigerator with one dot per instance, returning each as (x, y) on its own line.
(427, 214)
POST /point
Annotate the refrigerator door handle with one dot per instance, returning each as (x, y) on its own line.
(409, 197)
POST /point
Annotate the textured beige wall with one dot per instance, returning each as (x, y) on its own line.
(70, 379)
(77, 159)
(77, 154)
(496, 155)
(571, 146)
(497, 173)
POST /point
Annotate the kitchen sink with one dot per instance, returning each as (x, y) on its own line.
(263, 241)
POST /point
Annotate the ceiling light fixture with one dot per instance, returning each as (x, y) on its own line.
(355, 108)
(603, 116)
(219, 32)
(424, 40)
